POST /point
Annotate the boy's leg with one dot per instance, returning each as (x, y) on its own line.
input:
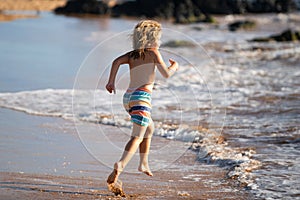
(132, 145)
(144, 150)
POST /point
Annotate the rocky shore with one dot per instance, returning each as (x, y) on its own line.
(182, 11)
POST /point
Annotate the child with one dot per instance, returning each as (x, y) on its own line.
(142, 62)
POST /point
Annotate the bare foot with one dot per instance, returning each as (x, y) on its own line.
(145, 170)
(116, 188)
(113, 177)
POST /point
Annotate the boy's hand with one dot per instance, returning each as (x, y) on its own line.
(111, 88)
(174, 63)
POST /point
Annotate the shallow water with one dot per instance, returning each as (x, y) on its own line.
(247, 92)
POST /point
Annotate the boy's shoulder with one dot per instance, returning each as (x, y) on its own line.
(154, 51)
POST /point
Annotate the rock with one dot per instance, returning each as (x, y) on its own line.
(182, 11)
(261, 6)
(196, 28)
(186, 12)
(243, 6)
(246, 24)
(129, 8)
(222, 6)
(157, 8)
(83, 7)
(147, 8)
(178, 43)
(288, 35)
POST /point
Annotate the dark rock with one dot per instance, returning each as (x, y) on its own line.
(183, 11)
(241, 25)
(262, 39)
(83, 7)
(186, 12)
(198, 28)
(147, 8)
(157, 8)
(222, 6)
(288, 35)
(262, 6)
(243, 6)
(178, 43)
(128, 9)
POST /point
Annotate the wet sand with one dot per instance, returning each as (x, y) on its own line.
(165, 185)
(43, 158)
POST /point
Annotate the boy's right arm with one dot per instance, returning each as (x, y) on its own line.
(162, 67)
(110, 86)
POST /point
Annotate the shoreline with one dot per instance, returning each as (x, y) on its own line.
(185, 178)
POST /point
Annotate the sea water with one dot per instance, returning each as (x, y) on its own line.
(226, 87)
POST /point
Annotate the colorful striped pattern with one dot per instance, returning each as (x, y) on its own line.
(138, 105)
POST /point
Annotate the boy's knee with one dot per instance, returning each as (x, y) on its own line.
(149, 131)
(139, 139)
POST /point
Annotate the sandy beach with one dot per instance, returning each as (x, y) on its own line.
(41, 5)
(45, 159)
(14, 9)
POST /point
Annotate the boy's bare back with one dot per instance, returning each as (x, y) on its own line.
(142, 71)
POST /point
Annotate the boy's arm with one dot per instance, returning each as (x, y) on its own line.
(124, 59)
(162, 67)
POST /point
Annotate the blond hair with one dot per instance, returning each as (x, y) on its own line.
(146, 34)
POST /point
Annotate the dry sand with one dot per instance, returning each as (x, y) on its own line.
(26, 5)
(41, 5)
(32, 150)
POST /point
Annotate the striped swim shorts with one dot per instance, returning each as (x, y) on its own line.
(138, 104)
